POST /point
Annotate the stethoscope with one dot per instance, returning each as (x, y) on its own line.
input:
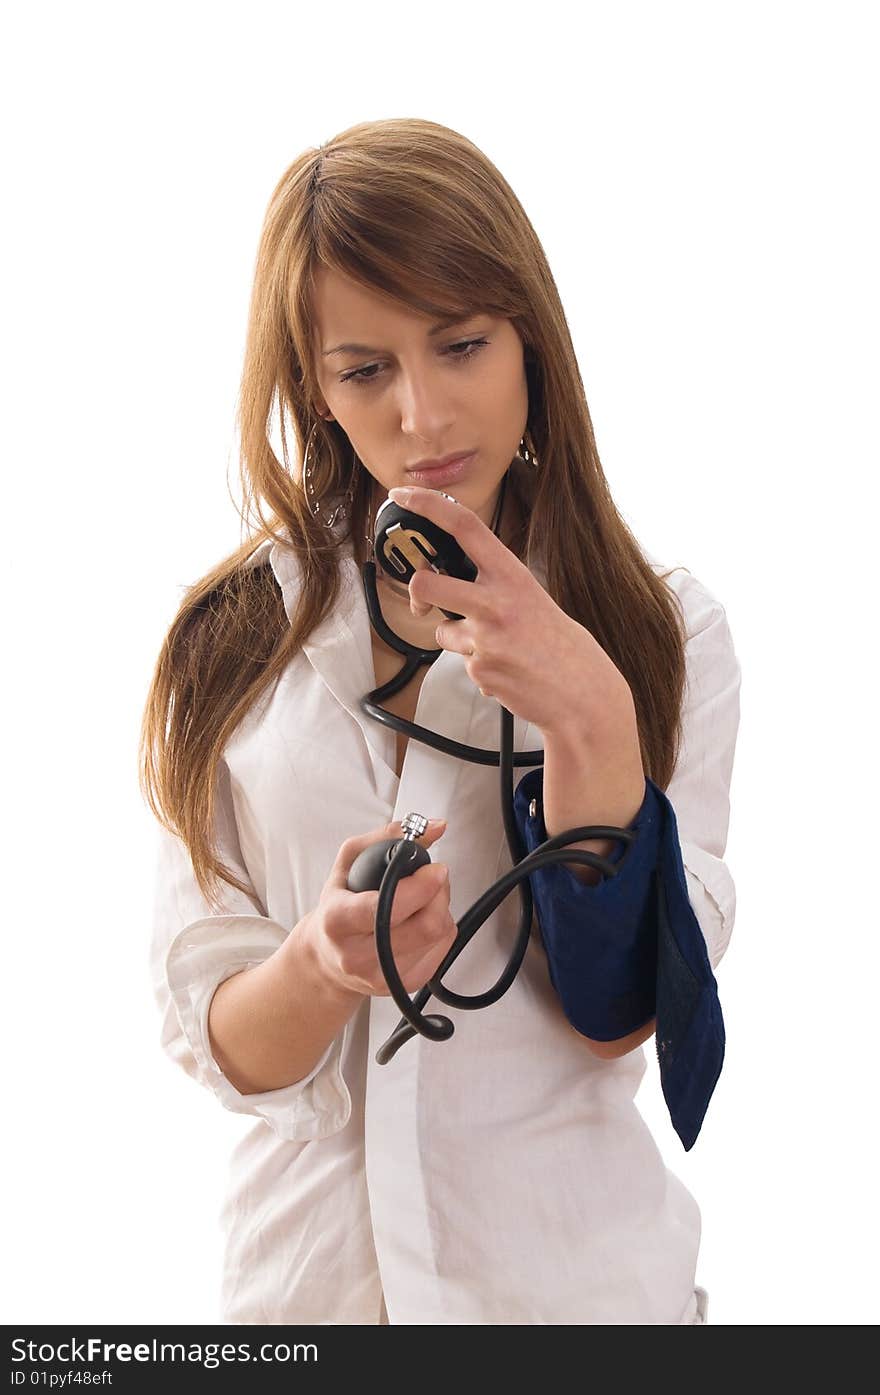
(405, 542)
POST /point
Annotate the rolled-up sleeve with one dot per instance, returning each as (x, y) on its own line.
(194, 949)
(699, 790)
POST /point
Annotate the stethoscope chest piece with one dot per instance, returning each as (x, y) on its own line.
(406, 542)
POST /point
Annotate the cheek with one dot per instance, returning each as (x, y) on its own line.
(508, 392)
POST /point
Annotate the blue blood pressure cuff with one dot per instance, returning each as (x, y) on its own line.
(630, 949)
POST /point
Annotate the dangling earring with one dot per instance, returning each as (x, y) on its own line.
(342, 510)
(528, 456)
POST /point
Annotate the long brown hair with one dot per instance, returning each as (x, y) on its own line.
(411, 209)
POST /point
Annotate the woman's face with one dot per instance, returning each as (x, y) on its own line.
(410, 395)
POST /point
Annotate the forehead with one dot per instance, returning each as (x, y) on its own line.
(344, 309)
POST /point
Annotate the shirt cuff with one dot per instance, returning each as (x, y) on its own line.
(199, 959)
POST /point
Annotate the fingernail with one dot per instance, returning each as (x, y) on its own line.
(400, 494)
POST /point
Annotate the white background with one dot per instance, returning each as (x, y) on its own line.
(703, 179)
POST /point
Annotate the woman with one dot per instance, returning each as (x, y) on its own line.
(403, 312)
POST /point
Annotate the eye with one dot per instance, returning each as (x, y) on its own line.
(458, 353)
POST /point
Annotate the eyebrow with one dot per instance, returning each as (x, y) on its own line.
(438, 328)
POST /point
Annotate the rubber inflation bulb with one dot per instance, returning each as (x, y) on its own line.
(369, 866)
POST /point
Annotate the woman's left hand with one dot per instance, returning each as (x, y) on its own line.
(520, 647)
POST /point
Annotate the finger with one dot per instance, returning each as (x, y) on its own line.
(432, 588)
(415, 892)
(436, 828)
(424, 927)
(487, 552)
(351, 849)
(412, 895)
(455, 637)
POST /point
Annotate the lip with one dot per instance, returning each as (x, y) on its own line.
(450, 470)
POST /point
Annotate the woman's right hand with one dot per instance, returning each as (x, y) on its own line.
(342, 927)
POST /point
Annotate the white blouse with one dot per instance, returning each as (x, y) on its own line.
(504, 1176)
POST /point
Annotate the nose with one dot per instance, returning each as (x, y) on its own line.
(425, 411)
